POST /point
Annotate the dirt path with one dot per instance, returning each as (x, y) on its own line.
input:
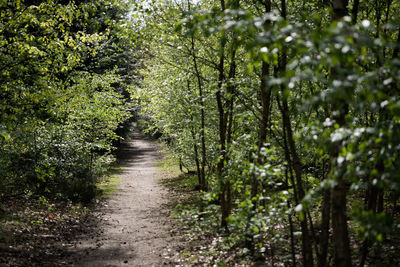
(134, 225)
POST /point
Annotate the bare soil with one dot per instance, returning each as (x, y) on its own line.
(133, 227)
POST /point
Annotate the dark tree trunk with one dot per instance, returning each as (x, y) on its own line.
(225, 132)
(222, 136)
(354, 11)
(396, 50)
(306, 239)
(292, 243)
(324, 236)
(195, 147)
(339, 224)
(196, 159)
(295, 160)
(202, 175)
(339, 8)
(265, 100)
(372, 197)
(339, 191)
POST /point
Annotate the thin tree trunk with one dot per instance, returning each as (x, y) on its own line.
(265, 97)
(354, 11)
(222, 129)
(396, 50)
(325, 221)
(195, 147)
(387, 14)
(306, 240)
(292, 244)
(225, 120)
(289, 172)
(265, 101)
(196, 159)
(299, 193)
(339, 191)
(324, 236)
(339, 223)
(203, 183)
(222, 137)
(229, 121)
(371, 205)
(295, 160)
(265, 92)
(339, 8)
(225, 138)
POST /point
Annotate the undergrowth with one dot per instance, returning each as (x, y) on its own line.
(197, 218)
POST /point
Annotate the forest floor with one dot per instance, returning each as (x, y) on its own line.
(132, 227)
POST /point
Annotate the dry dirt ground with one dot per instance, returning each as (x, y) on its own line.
(134, 229)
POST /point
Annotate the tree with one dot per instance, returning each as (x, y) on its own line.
(298, 124)
(59, 113)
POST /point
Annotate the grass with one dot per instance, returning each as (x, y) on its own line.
(169, 162)
(174, 178)
(183, 182)
(109, 184)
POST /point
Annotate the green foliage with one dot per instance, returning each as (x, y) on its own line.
(61, 104)
(336, 81)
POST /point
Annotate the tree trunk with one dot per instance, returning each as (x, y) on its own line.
(339, 8)
(265, 100)
(306, 240)
(292, 244)
(222, 130)
(325, 221)
(372, 198)
(339, 191)
(324, 236)
(396, 50)
(339, 224)
(196, 159)
(202, 175)
(222, 136)
(225, 133)
(354, 11)
(295, 160)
